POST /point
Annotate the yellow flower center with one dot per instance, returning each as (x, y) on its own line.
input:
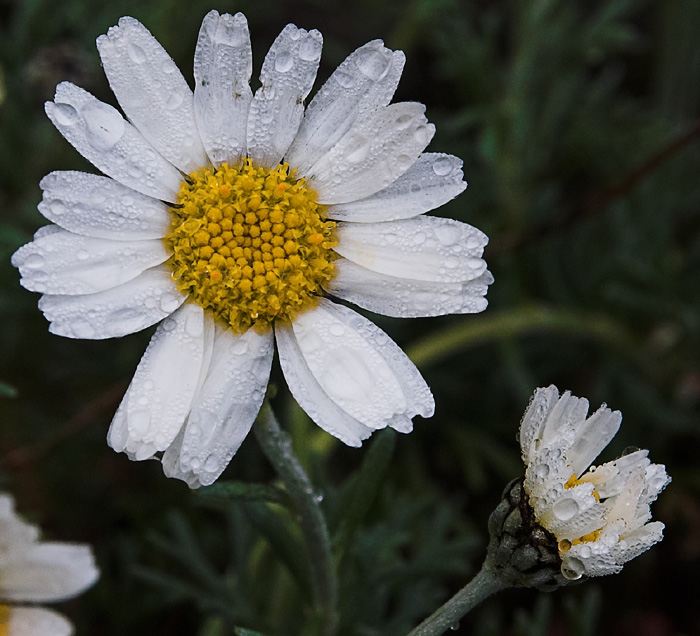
(250, 244)
(4, 620)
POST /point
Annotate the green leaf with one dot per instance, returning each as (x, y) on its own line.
(238, 490)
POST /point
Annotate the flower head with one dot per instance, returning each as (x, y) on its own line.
(36, 572)
(229, 217)
(600, 515)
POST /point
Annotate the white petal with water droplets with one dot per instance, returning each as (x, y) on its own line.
(48, 571)
(128, 308)
(402, 297)
(101, 207)
(433, 180)
(38, 621)
(309, 394)
(423, 248)
(223, 63)
(225, 407)
(103, 137)
(165, 382)
(64, 263)
(359, 367)
(287, 76)
(364, 81)
(533, 421)
(375, 152)
(592, 436)
(152, 92)
(567, 415)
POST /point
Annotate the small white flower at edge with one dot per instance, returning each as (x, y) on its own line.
(33, 571)
(599, 515)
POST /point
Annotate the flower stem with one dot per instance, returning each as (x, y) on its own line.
(446, 617)
(277, 446)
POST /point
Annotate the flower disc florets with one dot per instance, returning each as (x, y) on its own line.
(250, 244)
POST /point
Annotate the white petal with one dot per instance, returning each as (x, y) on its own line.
(98, 206)
(49, 572)
(360, 368)
(64, 263)
(100, 134)
(424, 248)
(16, 535)
(310, 395)
(277, 109)
(152, 92)
(533, 421)
(592, 437)
(223, 63)
(38, 621)
(225, 408)
(405, 298)
(433, 180)
(133, 306)
(563, 421)
(160, 395)
(375, 152)
(364, 82)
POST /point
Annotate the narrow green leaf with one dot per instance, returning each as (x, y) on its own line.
(238, 490)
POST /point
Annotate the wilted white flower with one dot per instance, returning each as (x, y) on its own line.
(600, 515)
(227, 216)
(33, 571)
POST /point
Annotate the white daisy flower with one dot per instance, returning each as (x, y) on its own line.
(37, 572)
(599, 515)
(229, 216)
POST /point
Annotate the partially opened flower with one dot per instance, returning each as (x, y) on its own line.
(600, 515)
(33, 571)
(228, 216)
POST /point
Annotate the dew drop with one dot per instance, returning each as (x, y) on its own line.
(309, 51)
(283, 61)
(404, 162)
(358, 149)
(442, 166)
(139, 422)
(57, 208)
(127, 200)
(454, 627)
(169, 302)
(135, 52)
(564, 509)
(541, 471)
(345, 79)
(373, 63)
(65, 114)
(336, 329)
(174, 101)
(573, 569)
(105, 126)
(448, 234)
(419, 238)
(404, 121)
(211, 464)
(82, 255)
(34, 261)
(585, 551)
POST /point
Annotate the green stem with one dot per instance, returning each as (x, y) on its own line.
(276, 445)
(446, 617)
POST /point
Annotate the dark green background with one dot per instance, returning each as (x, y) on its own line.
(578, 126)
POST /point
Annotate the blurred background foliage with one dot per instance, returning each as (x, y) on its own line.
(578, 125)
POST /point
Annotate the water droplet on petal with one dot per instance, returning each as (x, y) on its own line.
(336, 329)
(139, 421)
(310, 50)
(345, 79)
(105, 126)
(82, 255)
(442, 166)
(541, 471)
(373, 63)
(65, 114)
(135, 52)
(169, 302)
(358, 149)
(174, 101)
(34, 261)
(283, 61)
(211, 464)
(573, 569)
(564, 509)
